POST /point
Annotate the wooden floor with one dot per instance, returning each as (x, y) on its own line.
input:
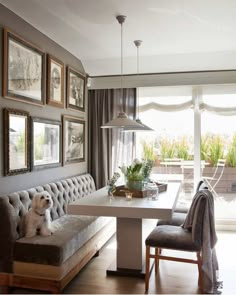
(173, 277)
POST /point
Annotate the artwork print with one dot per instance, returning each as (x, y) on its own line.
(55, 93)
(74, 140)
(16, 141)
(23, 70)
(75, 90)
(46, 136)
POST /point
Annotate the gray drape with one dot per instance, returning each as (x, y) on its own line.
(109, 148)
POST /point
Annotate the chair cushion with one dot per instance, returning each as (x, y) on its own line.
(171, 237)
(72, 232)
(177, 219)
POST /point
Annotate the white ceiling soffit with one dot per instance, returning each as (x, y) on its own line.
(183, 35)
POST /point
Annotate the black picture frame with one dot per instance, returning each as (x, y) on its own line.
(75, 90)
(16, 138)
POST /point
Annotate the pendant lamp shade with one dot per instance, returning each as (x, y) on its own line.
(141, 127)
(122, 119)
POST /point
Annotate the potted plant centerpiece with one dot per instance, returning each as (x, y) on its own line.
(137, 174)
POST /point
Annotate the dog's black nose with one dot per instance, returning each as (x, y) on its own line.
(47, 201)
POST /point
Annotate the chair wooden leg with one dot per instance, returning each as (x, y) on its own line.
(199, 264)
(147, 268)
(157, 252)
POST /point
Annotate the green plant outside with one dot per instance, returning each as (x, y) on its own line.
(178, 148)
(204, 148)
(148, 152)
(212, 149)
(231, 155)
(167, 149)
(182, 149)
(216, 149)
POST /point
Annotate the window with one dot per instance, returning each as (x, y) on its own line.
(171, 112)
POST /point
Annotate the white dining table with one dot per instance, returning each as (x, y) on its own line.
(129, 215)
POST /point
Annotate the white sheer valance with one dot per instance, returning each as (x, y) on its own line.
(220, 100)
(224, 111)
(166, 107)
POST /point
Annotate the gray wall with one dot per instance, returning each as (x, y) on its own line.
(29, 33)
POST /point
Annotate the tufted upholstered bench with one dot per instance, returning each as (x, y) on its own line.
(49, 263)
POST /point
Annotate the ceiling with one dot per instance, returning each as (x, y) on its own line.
(183, 35)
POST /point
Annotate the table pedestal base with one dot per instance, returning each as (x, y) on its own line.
(114, 271)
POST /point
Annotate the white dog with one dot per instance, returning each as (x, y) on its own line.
(38, 218)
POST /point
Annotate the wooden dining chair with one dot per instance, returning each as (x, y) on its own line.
(177, 238)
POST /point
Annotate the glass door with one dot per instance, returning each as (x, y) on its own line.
(218, 147)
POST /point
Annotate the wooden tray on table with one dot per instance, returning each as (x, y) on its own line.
(162, 187)
(121, 190)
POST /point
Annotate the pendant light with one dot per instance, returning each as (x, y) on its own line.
(141, 127)
(122, 119)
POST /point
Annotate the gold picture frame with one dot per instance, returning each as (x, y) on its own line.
(23, 70)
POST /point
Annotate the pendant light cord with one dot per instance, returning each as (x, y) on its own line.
(137, 44)
(121, 20)
(121, 69)
(137, 94)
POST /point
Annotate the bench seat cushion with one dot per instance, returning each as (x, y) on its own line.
(77, 261)
(72, 232)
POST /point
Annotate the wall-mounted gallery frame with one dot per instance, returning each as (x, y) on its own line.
(23, 70)
(55, 82)
(73, 140)
(75, 91)
(16, 126)
(46, 143)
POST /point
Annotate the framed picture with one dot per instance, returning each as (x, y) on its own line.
(16, 126)
(55, 82)
(46, 143)
(75, 90)
(73, 140)
(23, 75)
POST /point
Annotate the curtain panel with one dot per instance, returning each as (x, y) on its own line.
(109, 148)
